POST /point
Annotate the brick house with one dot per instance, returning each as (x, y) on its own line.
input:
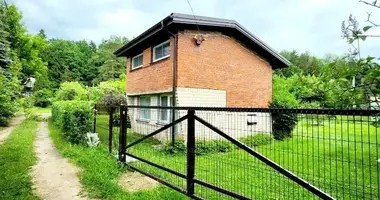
(187, 60)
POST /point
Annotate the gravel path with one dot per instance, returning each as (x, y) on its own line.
(13, 124)
(53, 176)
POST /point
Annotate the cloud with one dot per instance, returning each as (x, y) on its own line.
(304, 25)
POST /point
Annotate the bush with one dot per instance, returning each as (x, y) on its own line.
(257, 140)
(42, 98)
(71, 91)
(116, 87)
(201, 147)
(283, 123)
(8, 103)
(74, 118)
(178, 147)
(213, 146)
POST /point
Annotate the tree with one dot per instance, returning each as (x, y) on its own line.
(366, 72)
(110, 66)
(42, 34)
(68, 61)
(8, 72)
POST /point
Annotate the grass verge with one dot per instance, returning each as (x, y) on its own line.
(16, 159)
(100, 172)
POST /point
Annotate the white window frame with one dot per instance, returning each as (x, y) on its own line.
(143, 109)
(133, 61)
(169, 103)
(157, 46)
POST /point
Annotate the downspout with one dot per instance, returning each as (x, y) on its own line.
(174, 86)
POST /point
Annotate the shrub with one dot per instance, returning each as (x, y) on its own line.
(283, 123)
(201, 147)
(178, 147)
(257, 140)
(42, 98)
(116, 87)
(112, 100)
(71, 91)
(8, 104)
(74, 118)
(213, 146)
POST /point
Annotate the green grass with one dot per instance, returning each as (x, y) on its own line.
(40, 110)
(339, 157)
(16, 159)
(100, 172)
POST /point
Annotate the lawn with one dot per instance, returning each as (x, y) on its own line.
(100, 172)
(16, 159)
(40, 110)
(339, 156)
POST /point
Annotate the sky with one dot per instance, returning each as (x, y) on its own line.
(303, 25)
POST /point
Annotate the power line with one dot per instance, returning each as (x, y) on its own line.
(192, 11)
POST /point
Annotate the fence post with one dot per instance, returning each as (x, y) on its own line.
(123, 133)
(95, 112)
(190, 152)
(110, 130)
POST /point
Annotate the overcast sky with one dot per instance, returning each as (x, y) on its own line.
(312, 25)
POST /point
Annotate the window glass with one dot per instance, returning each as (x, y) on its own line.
(161, 51)
(144, 113)
(137, 61)
(164, 112)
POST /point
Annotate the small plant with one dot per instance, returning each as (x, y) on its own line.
(113, 100)
(213, 146)
(92, 139)
(257, 139)
(178, 147)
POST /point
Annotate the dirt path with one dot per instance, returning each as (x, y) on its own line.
(13, 124)
(53, 176)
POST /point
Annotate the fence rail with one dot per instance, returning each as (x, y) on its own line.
(249, 153)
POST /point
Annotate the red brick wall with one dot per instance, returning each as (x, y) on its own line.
(152, 76)
(223, 63)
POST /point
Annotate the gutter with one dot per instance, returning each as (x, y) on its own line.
(174, 86)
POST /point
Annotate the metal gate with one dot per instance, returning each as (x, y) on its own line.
(247, 171)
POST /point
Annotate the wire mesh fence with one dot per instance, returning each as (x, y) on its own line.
(335, 152)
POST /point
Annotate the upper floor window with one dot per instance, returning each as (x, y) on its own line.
(137, 61)
(161, 51)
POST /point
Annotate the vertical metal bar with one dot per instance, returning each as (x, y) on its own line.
(95, 112)
(190, 152)
(123, 133)
(110, 129)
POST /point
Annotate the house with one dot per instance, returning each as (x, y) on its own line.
(187, 60)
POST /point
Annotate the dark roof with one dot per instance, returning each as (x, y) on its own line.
(177, 21)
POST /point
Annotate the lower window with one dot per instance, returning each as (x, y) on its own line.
(144, 113)
(165, 100)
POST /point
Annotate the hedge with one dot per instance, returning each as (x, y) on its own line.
(74, 118)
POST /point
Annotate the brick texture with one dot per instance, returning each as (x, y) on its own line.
(223, 63)
(219, 63)
(152, 76)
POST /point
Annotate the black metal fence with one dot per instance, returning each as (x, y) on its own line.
(248, 153)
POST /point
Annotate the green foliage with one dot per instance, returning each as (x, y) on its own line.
(257, 140)
(283, 123)
(213, 146)
(75, 119)
(282, 95)
(178, 147)
(116, 87)
(201, 147)
(110, 67)
(71, 91)
(42, 98)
